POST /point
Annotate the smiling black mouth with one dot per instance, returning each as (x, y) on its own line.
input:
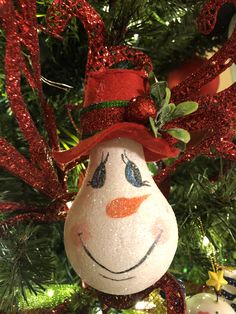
(142, 260)
(113, 279)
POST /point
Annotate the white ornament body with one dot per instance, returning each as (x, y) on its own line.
(205, 303)
(120, 237)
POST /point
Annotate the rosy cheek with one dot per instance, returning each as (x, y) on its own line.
(80, 231)
(160, 230)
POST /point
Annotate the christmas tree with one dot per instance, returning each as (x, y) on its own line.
(44, 48)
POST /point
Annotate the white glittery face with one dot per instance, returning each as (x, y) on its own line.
(120, 233)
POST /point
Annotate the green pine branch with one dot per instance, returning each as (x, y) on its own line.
(202, 190)
(26, 262)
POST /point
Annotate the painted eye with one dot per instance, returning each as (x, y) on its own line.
(132, 172)
(99, 176)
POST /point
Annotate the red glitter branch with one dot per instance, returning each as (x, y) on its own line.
(18, 165)
(38, 217)
(6, 207)
(99, 55)
(56, 211)
(28, 29)
(208, 15)
(60, 13)
(21, 30)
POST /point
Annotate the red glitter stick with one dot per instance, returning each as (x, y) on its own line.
(38, 217)
(99, 55)
(208, 15)
(21, 30)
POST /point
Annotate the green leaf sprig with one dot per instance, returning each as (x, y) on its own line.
(169, 111)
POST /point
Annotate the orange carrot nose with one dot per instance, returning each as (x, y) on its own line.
(122, 207)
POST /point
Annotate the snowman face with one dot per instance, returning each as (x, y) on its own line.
(120, 233)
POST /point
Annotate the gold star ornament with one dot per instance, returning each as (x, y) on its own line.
(216, 279)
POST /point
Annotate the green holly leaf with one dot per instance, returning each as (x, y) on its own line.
(185, 108)
(154, 127)
(158, 91)
(179, 134)
(166, 113)
(167, 98)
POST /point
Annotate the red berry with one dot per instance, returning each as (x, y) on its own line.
(140, 108)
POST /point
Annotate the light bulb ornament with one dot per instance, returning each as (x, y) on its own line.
(120, 233)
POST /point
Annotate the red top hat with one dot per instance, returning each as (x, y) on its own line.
(114, 98)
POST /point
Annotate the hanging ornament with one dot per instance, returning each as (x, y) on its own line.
(229, 290)
(120, 233)
(177, 75)
(206, 303)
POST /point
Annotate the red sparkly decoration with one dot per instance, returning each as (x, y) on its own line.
(140, 109)
(99, 55)
(21, 32)
(55, 212)
(169, 285)
(208, 15)
(12, 206)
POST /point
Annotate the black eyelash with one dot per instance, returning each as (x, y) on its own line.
(99, 176)
(132, 172)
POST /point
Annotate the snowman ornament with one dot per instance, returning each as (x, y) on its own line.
(120, 233)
